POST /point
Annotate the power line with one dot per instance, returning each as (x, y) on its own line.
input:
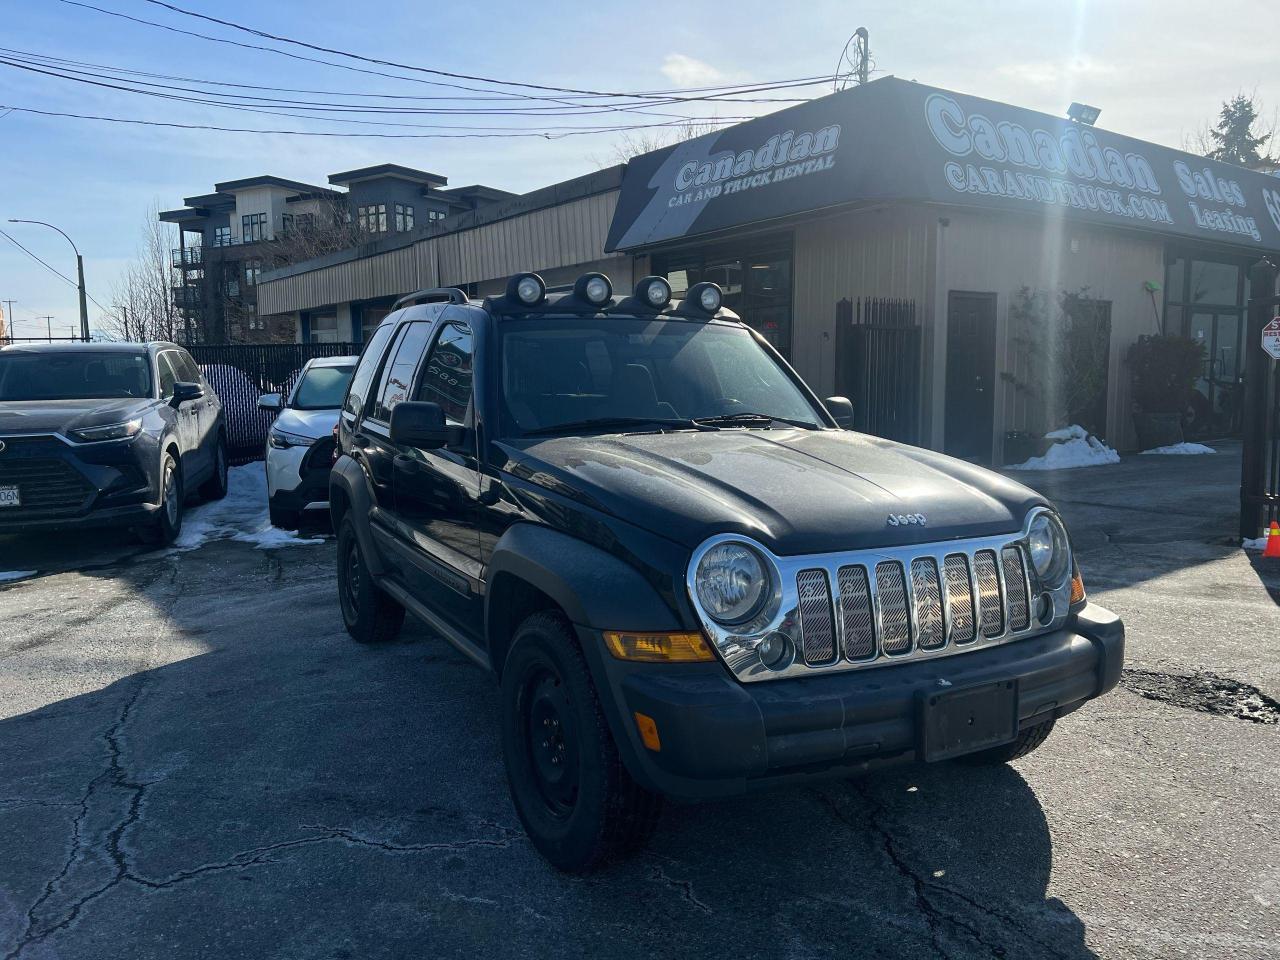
(57, 273)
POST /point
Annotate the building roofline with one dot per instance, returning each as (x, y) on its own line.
(393, 170)
(266, 180)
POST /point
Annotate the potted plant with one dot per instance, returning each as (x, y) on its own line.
(1164, 369)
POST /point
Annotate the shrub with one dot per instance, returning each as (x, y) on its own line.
(1164, 369)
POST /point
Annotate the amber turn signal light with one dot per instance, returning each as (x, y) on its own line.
(648, 731)
(658, 647)
(1077, 588)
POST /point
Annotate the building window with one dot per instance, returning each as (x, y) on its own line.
(231, 287)
(404, 217)
(251, 270)
(434, 215)
(372, 219)
(253, 227)
(222, 236)
(324, 328)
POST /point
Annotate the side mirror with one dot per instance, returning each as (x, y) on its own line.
(183, 391)
(271, 401)
(421, 424)
(841, 410)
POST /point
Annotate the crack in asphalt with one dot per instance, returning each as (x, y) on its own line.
(932, 912)
(659, 875)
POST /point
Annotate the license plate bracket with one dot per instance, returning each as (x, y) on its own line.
(10, 496)
(956, 722)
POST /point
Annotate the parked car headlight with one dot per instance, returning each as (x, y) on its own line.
(1050, 555)
(283, 440)
(732, 582)
(111, 431)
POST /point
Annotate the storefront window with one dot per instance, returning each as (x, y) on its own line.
(1214, 282)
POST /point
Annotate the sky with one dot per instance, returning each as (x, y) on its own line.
(1159, 71)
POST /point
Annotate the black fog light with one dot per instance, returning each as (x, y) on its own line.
(1044, 608)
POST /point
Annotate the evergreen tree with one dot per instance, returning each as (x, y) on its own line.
(1234, 136)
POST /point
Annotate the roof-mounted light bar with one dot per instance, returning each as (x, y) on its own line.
(706, 297)
(654, 292)
(594, 288)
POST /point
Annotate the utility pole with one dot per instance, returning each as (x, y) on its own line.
(84, 307)
(48, 327)
(7, 328)
(124, 324)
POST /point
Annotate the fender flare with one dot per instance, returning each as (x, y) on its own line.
(349, 480)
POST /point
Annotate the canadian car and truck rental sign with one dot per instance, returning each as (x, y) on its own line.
(897, 140)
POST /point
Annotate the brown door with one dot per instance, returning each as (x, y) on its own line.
(971, 360)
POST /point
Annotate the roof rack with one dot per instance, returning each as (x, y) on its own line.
(432, 294)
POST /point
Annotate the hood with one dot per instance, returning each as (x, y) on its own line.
(795, 491)
(59, 416)
(316, 424)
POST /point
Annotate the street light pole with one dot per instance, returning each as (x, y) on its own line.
(84, 306)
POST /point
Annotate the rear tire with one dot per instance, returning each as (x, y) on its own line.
(1028, 740)
(576, 799)
(215, 488)
(368, 613)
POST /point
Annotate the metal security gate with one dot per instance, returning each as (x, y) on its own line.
(240, 373)
(1260, 460)
(878, 365)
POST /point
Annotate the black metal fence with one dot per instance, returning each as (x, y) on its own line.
(240, 373)
(878, 365)
(1260, 460)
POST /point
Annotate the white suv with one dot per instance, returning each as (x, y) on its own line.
(300, 442)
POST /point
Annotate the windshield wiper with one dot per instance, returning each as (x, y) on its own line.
(592, 423)
(753, 418)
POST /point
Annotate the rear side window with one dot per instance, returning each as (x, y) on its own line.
(365, 370)
(397, 379)
(447, 377)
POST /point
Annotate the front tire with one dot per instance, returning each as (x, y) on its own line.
(168, 523)
(576, 799)
(368, 613)
(1027, 742)
(215, 488)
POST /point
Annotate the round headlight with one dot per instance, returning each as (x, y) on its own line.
(732, 582)
(1047, 542)
(528, 290)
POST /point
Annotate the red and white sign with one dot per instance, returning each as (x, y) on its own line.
(1271, 338)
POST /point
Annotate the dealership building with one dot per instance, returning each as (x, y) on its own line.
(888, 240)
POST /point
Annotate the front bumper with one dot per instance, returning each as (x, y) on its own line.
(721, 737)
(299, 476)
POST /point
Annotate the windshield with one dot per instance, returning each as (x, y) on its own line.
(322, 388)
(74, 376)
(626, 373)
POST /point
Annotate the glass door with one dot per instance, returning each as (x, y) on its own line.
(1215, 406)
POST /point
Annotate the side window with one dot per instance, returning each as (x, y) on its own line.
(185, 367)
(365, 370)
(167, 375)
(446, 380)
(398, 376)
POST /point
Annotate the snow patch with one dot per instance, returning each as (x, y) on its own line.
(8, 576)
(1181, 449)
(241, 515)
(1259, 543)
(1076, 447)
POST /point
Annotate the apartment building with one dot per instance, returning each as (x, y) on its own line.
(228, 238)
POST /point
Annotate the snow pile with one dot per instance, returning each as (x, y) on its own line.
(241, 515)
(8, 576)
(1076, 447)
(1182, 449)
(1258, 544)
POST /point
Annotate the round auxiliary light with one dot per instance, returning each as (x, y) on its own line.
(528, 288)
(1050, 555)
(594, 288)
(732, 582)
(706, 296)
(772, 649)
(655, 291)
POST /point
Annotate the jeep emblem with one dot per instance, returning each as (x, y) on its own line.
(907, 519)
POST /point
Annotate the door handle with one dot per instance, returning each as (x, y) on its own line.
(407, 464)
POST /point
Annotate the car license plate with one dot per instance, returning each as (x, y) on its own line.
(956, 722)
(9, 497)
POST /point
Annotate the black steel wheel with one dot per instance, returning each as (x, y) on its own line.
(576, 799)
(368, 613)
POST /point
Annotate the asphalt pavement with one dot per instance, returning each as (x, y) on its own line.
(195, 761)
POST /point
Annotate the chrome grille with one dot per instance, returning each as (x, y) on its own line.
(1015, 588)
(930, 634)
(817, 624)
(855, 609)
(959, 598)
(895, 624)
(990, 602)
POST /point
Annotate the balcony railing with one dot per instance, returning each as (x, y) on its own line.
(188, 256)
(187, 297)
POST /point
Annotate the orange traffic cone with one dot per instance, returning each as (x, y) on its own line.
(1273, 541)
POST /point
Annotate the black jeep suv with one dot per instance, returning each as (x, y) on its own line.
(106, 434)
(687, 578)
